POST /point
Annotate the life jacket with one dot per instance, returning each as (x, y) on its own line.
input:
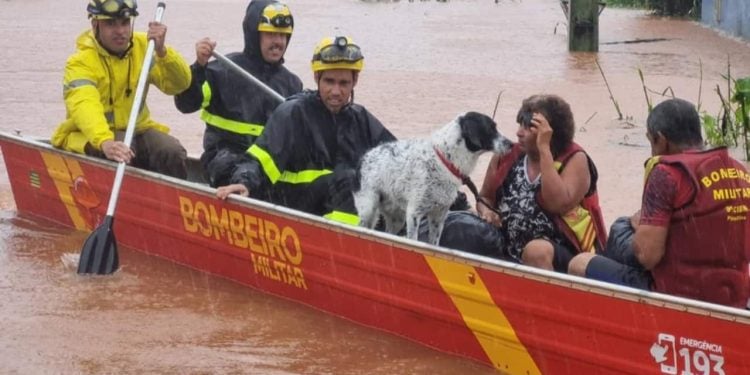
(583, 225)
(707, 249)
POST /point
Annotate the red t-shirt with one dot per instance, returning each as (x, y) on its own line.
(667, 187)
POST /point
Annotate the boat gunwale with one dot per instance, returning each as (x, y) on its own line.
(482, 262)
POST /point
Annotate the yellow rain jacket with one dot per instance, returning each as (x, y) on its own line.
(99, 90)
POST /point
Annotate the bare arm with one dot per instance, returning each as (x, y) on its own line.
(651, 223)
(563, 191)
(560, 191)
(649, 244)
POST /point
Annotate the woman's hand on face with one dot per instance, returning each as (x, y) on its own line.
(540, 126)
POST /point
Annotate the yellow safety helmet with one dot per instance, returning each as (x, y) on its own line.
(107, 9)
(337, 53)
(276, 18)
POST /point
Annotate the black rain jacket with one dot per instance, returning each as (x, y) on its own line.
(234, 109)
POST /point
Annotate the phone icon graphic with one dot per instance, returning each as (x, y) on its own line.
(669, 366)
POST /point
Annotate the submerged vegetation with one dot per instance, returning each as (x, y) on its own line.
(730, 124)
(680, 8)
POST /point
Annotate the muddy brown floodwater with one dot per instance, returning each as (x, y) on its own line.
(425, 62)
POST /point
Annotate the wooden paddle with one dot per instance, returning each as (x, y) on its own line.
(99, 253)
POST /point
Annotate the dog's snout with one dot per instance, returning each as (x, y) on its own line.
(502, 145)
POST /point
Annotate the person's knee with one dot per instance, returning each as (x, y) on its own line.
(173, 163)
(166, 154)
(579, 263)
(619, 242)
(538, 253)
(171, 147)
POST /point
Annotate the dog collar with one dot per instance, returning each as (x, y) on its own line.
(451, 167)
(466, 180)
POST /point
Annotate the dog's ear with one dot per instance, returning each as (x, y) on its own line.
(478, 131)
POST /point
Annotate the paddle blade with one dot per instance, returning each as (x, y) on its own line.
(99, 253)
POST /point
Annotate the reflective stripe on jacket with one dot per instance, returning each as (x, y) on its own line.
(234, 109)
(274, 174)
(232, 126)
(99, 90)
(304, 142)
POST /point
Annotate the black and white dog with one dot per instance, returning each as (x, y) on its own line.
(408, 180)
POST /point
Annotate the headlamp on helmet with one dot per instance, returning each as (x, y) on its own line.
(337, 53)
(276, 18)
(108, 9)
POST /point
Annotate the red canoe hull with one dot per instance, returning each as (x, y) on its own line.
(516, 319)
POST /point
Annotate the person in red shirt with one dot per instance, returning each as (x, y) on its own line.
(690, 238)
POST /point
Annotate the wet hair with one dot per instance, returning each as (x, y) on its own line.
(678, 121)
(558, 114)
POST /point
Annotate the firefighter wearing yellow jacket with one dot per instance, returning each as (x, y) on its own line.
(99, 89)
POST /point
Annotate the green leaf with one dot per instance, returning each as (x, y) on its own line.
(743, 85)
(742, 90)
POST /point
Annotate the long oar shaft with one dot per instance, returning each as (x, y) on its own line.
(99, 252)
(237, 69)
(134, 110)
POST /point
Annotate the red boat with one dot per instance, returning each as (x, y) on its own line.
(517, 319)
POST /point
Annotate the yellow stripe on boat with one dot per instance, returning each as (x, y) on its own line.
(63, 174)
(485, 319)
